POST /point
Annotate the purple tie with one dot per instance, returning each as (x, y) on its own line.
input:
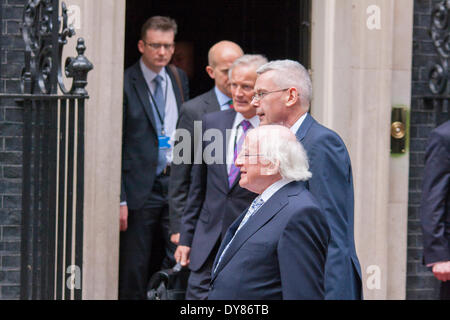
(234, 171)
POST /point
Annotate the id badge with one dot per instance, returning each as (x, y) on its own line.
(164, 142)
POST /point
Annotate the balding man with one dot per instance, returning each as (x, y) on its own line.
(283, 95)
(277, 248)
(220, 57)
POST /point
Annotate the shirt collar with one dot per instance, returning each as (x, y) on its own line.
(270, 191)
(298, 123)
(253, 120)
(221, 97)
(149, 74)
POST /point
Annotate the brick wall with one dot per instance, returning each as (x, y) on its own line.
(11, 62)
(421, 283)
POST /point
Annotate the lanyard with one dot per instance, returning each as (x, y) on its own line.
(156, 106)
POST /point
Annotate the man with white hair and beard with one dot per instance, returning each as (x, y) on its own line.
(215, 199)
(277, 248)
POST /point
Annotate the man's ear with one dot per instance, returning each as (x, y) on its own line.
(141, 46)
(271, 169)
(210, 71)
(293, 97)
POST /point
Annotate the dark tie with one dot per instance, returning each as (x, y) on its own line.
(230, 103)
(234, 171)
(159, 96)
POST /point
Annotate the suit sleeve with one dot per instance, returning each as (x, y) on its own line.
(302, 251)
(194, 203)
(123, 196)
(435, 191)
(332, 185)
(180, 176)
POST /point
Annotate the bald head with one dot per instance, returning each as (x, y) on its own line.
(222, 49)
(220, 57)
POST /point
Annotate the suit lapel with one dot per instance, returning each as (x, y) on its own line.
(210, 102)
(142, 92)
(260, 218)
(228, 236)
(226, 123)
(301, 132)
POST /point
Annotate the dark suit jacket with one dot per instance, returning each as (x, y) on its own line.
(140, 139)
(279, 253)
(435, 206)
(180, 176)
(212, 205)
(332, 186)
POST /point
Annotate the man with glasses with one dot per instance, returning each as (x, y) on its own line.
(283, 95)
(215, 198)
(153, 93)
(277, 248)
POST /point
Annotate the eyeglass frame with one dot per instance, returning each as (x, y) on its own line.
(159, 45)
(252, 155)
(263, 94)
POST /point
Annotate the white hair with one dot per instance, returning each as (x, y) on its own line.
(277, 144)
(289, 73)
(248, 60)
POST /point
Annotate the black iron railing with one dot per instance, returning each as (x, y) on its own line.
(53, 155)
(439, 73)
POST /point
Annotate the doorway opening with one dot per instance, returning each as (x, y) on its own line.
(278, 29)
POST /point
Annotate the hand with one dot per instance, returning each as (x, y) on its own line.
(182, 255)
(175, 238)
(123, 218)
(441, 270)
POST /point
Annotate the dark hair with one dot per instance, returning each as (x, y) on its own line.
(158, 23)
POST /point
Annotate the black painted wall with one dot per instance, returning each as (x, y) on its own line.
(421, 283)
(11, 62)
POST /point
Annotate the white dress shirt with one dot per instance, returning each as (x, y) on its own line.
(298, 123)
(171, 109)
(222, 98)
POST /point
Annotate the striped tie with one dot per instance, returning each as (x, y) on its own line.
(234, 171)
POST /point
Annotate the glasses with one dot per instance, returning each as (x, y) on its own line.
(157, 46)
(259, 95)
(252, 155)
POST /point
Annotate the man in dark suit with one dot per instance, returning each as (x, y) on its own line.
(152, 96)
(283, 94)
(277, 248)
(215, 198)
(435, 206)
(220, 57)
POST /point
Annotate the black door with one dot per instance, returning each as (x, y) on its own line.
(278, 29)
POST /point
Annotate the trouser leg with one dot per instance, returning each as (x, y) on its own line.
(136, 253)
(445, 290)
(199, 281)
